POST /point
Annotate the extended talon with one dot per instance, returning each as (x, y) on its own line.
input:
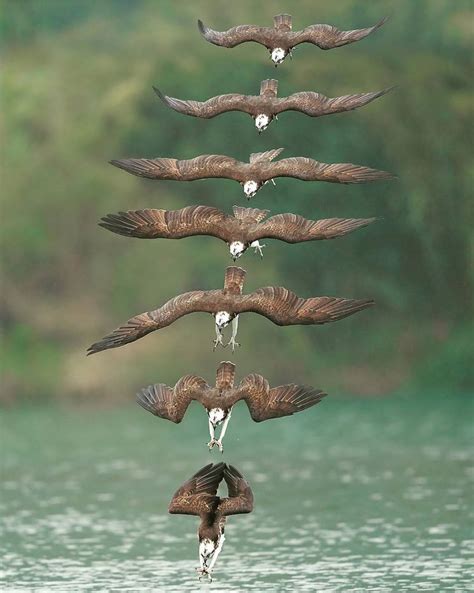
(233, 344)
(212, 443)
(216, 343)
(258, 248)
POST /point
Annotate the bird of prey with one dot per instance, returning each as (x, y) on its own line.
(242, 230)
(280, 39)
(252, 175)
(198, 496)
(265, 107)
(276, 303)
(262, 401)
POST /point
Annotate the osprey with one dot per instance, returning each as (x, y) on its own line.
(252, 175)
(266, 106)
(242, 230)
(278, 304)
(280, 39)
(262, 401)
(198, 496)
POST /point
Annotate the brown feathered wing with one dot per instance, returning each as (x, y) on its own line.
(284, 307)
(171, 404)
(240, 499)
(197, 496)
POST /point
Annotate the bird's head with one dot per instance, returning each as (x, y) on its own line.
(262, 122)
(207, 547)
(236, 249)
(251, 188)
(278, 54)
(223, 318)
(216, 416)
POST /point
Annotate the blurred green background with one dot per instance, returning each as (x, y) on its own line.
(77, 91)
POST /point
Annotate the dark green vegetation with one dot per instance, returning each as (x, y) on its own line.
(77, 91)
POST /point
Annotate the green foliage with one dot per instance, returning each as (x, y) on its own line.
(77, 80)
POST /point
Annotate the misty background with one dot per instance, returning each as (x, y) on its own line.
(77, 92)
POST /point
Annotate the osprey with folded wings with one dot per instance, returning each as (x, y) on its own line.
(198, 496)
(242, 230)
(260, 169)
(276, 303)
(262, 401)
(280, 40)
(267, 106)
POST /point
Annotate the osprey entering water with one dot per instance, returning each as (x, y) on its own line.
(265, 107)
(280, 39)
(198, 496)
(242, 230)
(278, 304)
(262, 401)
(252, 175)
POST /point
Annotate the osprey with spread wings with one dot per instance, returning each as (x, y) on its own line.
(260, 169)
(262, 401)
(280, 40)
(242, 230)
(276, 303)
(267, 106)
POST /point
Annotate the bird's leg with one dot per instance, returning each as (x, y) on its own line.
(258, 248)
(273, 181)
(235, 326)
(214, 556)
(223, 430)
(218, 339)
(213, 441)
(276, 117)
(202, 570)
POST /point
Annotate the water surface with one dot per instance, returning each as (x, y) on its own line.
(351, 496)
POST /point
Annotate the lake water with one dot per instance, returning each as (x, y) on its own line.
(351, 496)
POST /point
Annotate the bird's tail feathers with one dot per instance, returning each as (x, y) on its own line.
(225, 375)
(250, 213)
(234, 279)
(269, 87)
(265, 157)
(282, 21)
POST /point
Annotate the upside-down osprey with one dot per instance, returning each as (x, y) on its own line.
(265, 107)
(252, 175)
(198, 496)
(262, 401)
(280, 39)
(278, 304)
(242, 230)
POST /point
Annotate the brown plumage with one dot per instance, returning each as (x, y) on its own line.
(266, 106)
(198, 496)
(263, 402)
(278, 304)
(280, 39)
(252, 175)
(245, 228)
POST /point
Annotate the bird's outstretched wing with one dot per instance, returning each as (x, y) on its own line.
(265, 403)
(170, 224)
(197, 496)
(283, 307)
(237, 35)
(311, 170)
(293, 228)
(329, 37)
(240, 499)
(139, 326)
(211, 107)
(316, 104)
(201, 167)
(171, 404)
